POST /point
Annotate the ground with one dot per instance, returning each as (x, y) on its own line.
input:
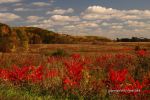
(75, 71)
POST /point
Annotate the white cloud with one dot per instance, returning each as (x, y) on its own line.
(117, 27)
(98, 12)
(85, 24)
(105, 24)
(61, 11)
(26, 9)
(9, 1)
(95, 17)
(65, 18)
(21, 9)
(6, 17)
(127, 17)
(40, 4)
(32, 19)
(137, 24)
(99, 9)
(49, 23)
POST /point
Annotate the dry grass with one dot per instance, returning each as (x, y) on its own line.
(97, 73)
(36, 52)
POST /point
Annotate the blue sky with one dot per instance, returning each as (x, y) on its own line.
(108, 18)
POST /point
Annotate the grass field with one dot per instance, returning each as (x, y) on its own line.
(39, 51)
(77, 72)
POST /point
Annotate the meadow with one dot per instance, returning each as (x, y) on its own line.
(100, 71)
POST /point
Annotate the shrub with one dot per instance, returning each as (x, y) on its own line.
(60, 52)
(137, 48)
(57, 52)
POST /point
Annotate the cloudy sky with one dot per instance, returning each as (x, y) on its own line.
(109, 18)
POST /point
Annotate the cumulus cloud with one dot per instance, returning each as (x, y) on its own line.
(98, 12)
(49, 23)
(40, 4)
(117, 27)
(65, 18)
(61, 11)
(105, 24)
(85, 24)
(138, 24)
(21, 9)
(9, 1)
(33, 19)
(26, 9)
(99, 9)
(6, 17)
(135, 23)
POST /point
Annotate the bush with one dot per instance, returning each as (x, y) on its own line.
(137, 48)
(57, 52)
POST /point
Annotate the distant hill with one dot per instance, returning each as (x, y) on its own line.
(14, 36)
(46, 37)
(38, 35)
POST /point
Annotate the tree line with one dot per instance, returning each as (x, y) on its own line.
(133, 39)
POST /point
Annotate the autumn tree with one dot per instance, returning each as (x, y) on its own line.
(24, 41)
(8, 39)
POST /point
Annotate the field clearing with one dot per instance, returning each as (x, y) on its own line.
(108, 47)
(104, 47)
(76, 72)
(37, 53)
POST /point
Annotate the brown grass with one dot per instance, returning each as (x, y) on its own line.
(36, 52)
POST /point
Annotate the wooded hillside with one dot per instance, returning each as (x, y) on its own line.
(12, 37)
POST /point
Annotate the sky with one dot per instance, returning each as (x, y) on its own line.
(108, 18)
